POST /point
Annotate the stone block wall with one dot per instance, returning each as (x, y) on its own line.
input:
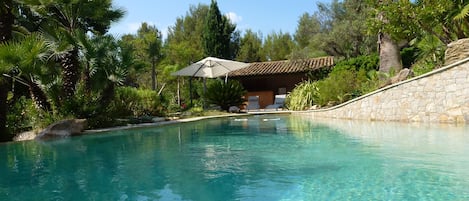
(439, 96)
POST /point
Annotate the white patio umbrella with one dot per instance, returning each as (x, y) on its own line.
(210, 67)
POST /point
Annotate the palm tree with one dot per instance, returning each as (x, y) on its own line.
(110, 68)
(68, 17)
(26, 57)
(105, 67)
(148, 44)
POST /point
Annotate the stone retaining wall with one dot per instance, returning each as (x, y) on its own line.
(439, 96)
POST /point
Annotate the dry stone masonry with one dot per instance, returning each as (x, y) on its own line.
(439, 96)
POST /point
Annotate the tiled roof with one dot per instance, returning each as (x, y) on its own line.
(282, 67)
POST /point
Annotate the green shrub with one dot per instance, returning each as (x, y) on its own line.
(422, 67)
(225, 94)
(369, 81)
(339, 87)
(365, 62)
(24, 115)
(302, 97)
(84, 104)
(196, 111)
(349, 79)
(134, 102)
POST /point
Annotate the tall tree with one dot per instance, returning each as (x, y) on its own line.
(389, 51)
(447, 20)
(406, 20)
(149, 40)
(389, 54)
(278, 46)
(345, 20)
(217, 33)
(250, 48)
(183, 45)
(108, 69)
(69, 17)
(308, 27)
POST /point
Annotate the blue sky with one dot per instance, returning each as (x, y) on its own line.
(265, 16)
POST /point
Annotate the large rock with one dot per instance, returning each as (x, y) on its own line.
(63, 128)
(404, 74)
(401, 76)
(457, 51)
(28, 135)
(234, 109)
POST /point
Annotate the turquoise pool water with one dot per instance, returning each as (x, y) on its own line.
(249, 158)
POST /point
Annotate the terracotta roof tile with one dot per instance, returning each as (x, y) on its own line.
(286, 66)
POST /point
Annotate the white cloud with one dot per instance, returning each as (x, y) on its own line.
(234, 17)
(133, 27)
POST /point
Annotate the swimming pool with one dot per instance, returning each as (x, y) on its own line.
(263, 157)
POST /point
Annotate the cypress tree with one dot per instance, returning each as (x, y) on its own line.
(217, 33)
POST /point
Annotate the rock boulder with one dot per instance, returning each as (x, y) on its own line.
(64, 128)
(457, 51)
(401, 76)
(234, 109)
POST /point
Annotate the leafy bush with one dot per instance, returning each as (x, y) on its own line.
(225, 94)
(370, 81)
(24, 115)
(422, 67)
(134, 102)
(349, 79)
(302, 97)
(365, 62)
(337, 88)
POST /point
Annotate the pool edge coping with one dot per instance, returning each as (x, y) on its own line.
(162, 123)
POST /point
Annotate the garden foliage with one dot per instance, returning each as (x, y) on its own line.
(225, 94)
(349, 79)
(302, 97)
(132, 102)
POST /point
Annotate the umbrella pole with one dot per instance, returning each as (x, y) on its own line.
(205, 90)
(190, 89)
(179, 91)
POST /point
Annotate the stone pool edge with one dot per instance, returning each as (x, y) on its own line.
(162, 123)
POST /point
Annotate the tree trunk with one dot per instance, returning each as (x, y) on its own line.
(70, 76)
(87, 79)
(389, 52)
(108, 95)
(39, 97)
(389, 55)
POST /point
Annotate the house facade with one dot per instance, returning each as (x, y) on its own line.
(267, 79)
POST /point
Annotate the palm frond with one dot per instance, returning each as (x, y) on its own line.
(462, 14)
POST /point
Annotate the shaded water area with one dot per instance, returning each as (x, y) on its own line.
(263, 157)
